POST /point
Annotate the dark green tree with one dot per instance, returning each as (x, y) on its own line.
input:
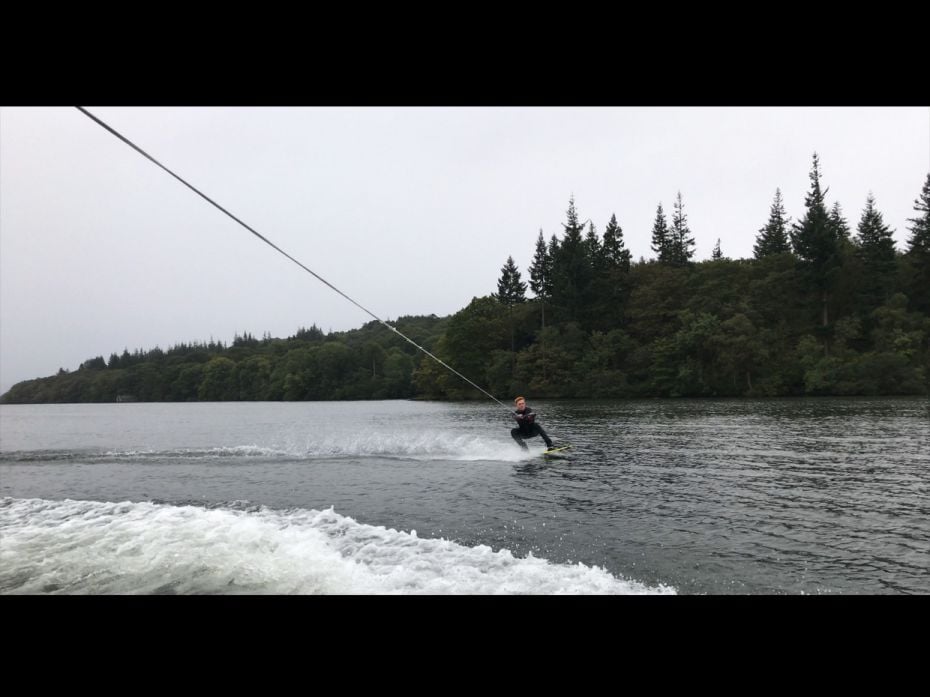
(541, 275)
(571, 268)
(511, 291)
(541, 270)
(472, 334)
(661, 238)
(593, 247)
(716, 255)
(682, 242)
(613, 250)
(398, 369)
(838, 220)
(510, 287)
(877, 254)
(917, 258)
(552, 252)
(610, 286)
(219, 381)
(920, 230)
(773, 236)
(94, 364)
(815, 241)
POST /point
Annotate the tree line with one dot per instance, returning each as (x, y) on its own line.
(820, 309)
(367, 363)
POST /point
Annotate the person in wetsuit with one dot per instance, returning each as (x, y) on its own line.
(526, 425)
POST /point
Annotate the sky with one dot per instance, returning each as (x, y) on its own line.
(410, 211)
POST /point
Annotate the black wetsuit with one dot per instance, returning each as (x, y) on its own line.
(527, 428)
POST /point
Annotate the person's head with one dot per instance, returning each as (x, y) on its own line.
(521, 403)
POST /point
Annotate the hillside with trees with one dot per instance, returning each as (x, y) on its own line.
(824, 307)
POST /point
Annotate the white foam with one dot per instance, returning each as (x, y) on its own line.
(417, 445)
(91, 547)
(411, 445)
(198, 453)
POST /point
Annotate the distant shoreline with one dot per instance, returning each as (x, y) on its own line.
(593, 400)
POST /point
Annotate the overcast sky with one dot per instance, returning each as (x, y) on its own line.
(407, 210)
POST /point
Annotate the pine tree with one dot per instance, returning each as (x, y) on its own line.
(541, 276)
(918, 253)
(553, 251)
(919, 243)
(876, 250)
(613, 251)
(717, 255)
(840, 226)
(592, 245)
(841, 232)
(876, 239)
(541, 270)
(510, 288)
(773, 236)
(571, 267)
(572, 227)
(661, 240)
(611, 284)
(511, 291)
(815, 240)
(682, 242)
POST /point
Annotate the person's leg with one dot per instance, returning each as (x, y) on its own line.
(538, 430)
(515, 433)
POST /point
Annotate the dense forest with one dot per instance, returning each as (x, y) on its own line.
(821, 309)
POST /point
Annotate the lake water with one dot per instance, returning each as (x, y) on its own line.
(813, 496)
